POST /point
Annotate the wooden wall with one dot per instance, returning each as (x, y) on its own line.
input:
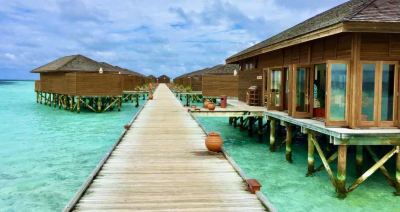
(375, 46)
(162, 80)
(217, 85)
(196, 83)
(131, 82)
(94, 84)
(53, 83)
(246, 79)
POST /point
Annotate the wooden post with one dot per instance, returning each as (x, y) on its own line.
(187, 100)
(359, 160)
(341, 171)
(37, 96)
(310, 154)
(230, 120)
(119, 103)
(234, 122)
(144, 96)
(272, 135)
(397, 183)
(260, 129)
(250, 127)
(288, 142)
(45, 98)
(241, 123)
(98, 104)
(78, 105)
(137, 100)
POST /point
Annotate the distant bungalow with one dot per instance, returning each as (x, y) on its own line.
(213, 82)
(163, 79)
(75, 81)
(152, 79)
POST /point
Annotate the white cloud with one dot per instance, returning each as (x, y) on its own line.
(154, 37)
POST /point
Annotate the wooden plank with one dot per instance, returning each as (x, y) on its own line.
(162, 164)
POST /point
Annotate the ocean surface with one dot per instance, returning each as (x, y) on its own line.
(46, 154)
(286, 185)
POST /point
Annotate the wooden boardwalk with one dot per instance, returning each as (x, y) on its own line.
(162, 165)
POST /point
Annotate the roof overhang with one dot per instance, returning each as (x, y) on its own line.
(381, 27)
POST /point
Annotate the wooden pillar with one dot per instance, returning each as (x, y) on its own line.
(45, 98)
(78, 105)
(341, 171)
(241, 123)
(289, 136)
(235, 122)
(144, 96)
(359, 160)
(98, 104)
(272, 124)
(187, 100)
(310, 154)
(260, 129)
(119, 103)
(230, 120)
(37, 96)
(397, 182)
(137, 100)
(251, 126)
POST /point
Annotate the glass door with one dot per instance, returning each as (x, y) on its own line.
(275, 89)
(302, 92)
(336, 99)
(378, 94)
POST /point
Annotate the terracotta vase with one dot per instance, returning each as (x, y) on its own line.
(127, 126)
(206, 102)
(150, 96)
(211, 106)
(214, 142)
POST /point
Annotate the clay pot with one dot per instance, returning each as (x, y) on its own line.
(206, 102)
(211, 106)
(150, 96)
(127, 126)
(214, 142)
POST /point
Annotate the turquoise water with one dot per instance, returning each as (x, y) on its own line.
(286, 186)
(46, 153)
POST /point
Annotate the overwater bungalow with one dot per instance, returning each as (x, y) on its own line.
(338, 69)
(152, 79)
(214, 81)
(76, 81)
(163, 79)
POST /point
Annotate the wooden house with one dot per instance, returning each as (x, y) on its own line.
(219, 77)
(74, 81)
(152, 79)
(163, 79)
(341, 66)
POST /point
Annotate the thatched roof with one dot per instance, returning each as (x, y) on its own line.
(351, 11)
(73, 63)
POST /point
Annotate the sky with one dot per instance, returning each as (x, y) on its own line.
(149, 36)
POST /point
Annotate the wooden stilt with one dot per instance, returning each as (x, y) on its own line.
(241, 123)
(341, 171)
(137, 100)
(272, 135)
(397, 192)
(359, 160)
(235, 122)
(37, 96)
(230, 120)
(310, 154)
(119, 103)
(187, 100)
(260, 129)
(78, 103)
(250, 127)
(98, 104)
(324, 161)
(288, 142)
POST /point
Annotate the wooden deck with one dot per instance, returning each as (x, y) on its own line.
(162, 164)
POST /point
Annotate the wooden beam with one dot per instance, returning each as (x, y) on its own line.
(359, 160)
(382, 168)
(397, 173)
(375, 167)
(341, 171)
(288, 141)
(272, 123)
(324, 160)
(310, 154)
